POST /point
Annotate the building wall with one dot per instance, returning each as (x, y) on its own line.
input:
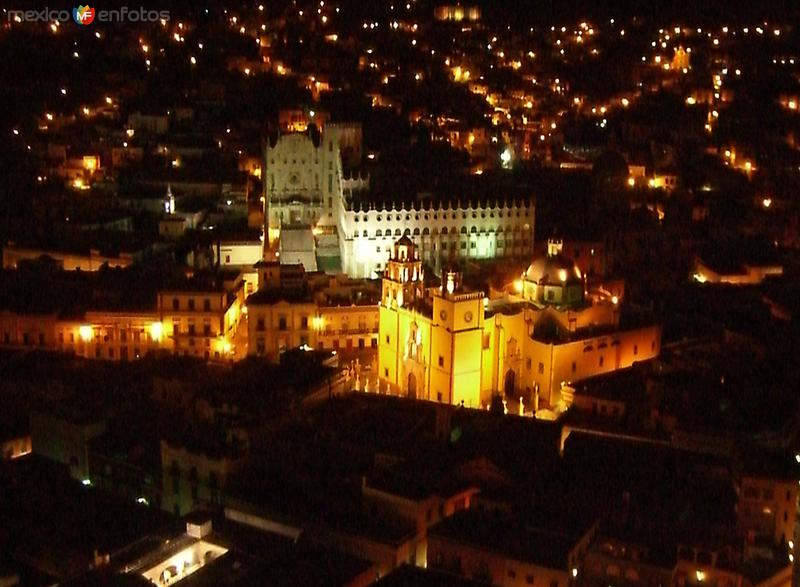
(274, 328)
(27, 330)
(613, 562)
(191, 478)
(441, 233)
(113, 335)
(65, 441)
(492, 567)
(438, 358)
(768, 507)
(239, 253)
(202, 324)
(347, 327)
(303, 182)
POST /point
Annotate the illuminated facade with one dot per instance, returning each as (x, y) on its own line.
(288, 312)
(305, 185)
(201, 323)
(457, 13)
(451, 345)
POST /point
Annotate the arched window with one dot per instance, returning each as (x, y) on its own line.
(364, 234)
(407, 232)
(499, 230)
(416, 232)
(473, 230)
(379, 232)
(463, 230)
(444, 230)
(397, 232)
(425, 231)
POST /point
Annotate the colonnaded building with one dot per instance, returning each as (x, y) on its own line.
(456, 346)
(315, 212)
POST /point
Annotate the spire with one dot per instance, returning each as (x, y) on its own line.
(169, 201)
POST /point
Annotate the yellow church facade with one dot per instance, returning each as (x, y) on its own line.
(454, 346)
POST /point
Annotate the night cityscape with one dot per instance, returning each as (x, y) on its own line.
(400, 292)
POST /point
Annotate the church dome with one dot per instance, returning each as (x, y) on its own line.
(554, 270)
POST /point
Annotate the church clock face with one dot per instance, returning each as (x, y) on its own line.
(443, 315)
(468, 317)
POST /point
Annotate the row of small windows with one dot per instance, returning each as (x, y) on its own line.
(426, 231)
(190, 304)
(294, 161)
(398, 217)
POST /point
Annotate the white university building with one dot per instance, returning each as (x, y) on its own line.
(312, 214)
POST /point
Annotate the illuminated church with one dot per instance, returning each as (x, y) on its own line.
(455, 346)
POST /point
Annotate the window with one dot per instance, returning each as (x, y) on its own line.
(304, 323)
(386, 373)
(387, 339)
(635, 350)
(574, 366)
(207, 305)
(191, 304)
(176, 305)
(260, 324)
(227, 258)
(528, 364)
(601, 360)
(486, 341)
(441, 361)
(541, 368)
(282, 323)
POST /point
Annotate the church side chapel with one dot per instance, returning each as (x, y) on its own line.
(527, 343)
